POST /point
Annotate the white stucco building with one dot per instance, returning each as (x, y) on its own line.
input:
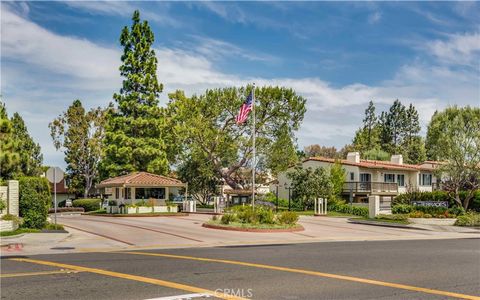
(370, 177)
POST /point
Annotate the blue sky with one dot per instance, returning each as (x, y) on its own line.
(339, 55)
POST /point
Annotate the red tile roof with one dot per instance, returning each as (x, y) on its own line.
(61, 189)
(372, 164)
(140, 179)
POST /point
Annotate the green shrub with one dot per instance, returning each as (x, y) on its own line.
(3, 205)
(34, 201)
(416, 214)
(265, 215)
(287, 218)
(456, 210)
(228, 218)
(402, 209)
(8, 217)
(428, 216)
(469, 219)
(87, 204)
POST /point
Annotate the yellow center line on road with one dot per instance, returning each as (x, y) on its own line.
(315, 273)
(164, 283)
(8, 275)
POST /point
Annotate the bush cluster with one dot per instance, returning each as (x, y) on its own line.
(87, 204)
(258, 215)
(34, 201)
(469, 219)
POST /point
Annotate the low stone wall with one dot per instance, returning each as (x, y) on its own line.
(7, 225)
(432, 221)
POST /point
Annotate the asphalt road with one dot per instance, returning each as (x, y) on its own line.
(408, 269)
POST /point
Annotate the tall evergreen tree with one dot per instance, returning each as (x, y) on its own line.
(133, 140)
(369, 123)
(413, 144)
(9, 158)
(393, 127)
(30, 156)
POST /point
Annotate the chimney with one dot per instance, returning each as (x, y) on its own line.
(397, 159)
(353, 157)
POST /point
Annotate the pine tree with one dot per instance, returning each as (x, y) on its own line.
(9, 158)
(31, 158)
(413, 144)
(369, 124)
(133, 140)
(393, 127)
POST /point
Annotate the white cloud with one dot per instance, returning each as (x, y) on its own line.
(458, 49)
(44, 72)
(29, 43)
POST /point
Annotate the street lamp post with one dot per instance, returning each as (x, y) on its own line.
(289, 196)
(276, 194)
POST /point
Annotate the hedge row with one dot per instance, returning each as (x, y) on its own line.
(349, 209)
(87, 204)
(430, 210)
(34, 201)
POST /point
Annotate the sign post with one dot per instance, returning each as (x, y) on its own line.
(55, 175)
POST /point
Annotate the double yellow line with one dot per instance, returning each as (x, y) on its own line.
(314, 273)
(239, 263)
(164, 283)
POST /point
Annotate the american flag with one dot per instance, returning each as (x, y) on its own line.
(245, 109)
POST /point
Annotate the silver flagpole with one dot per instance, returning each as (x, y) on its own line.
(254, 165)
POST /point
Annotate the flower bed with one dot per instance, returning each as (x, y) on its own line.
(258, 219)
(253, 227)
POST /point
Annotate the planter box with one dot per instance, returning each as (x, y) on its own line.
(131, 210)
(7, 225)
(160, 209)
(432, 221)
(144, 209)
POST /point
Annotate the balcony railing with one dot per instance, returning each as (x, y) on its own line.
(370, 187)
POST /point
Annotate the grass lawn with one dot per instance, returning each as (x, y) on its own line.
(19, 231)
(253, 226)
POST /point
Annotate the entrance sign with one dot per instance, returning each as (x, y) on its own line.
(55, 175)
(431, 203)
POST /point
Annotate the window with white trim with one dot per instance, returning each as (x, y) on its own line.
(425, 179)
(389, 178)
(401, 179)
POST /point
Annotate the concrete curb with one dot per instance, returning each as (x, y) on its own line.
(137, 215)
(298, 228)
(383, 224)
